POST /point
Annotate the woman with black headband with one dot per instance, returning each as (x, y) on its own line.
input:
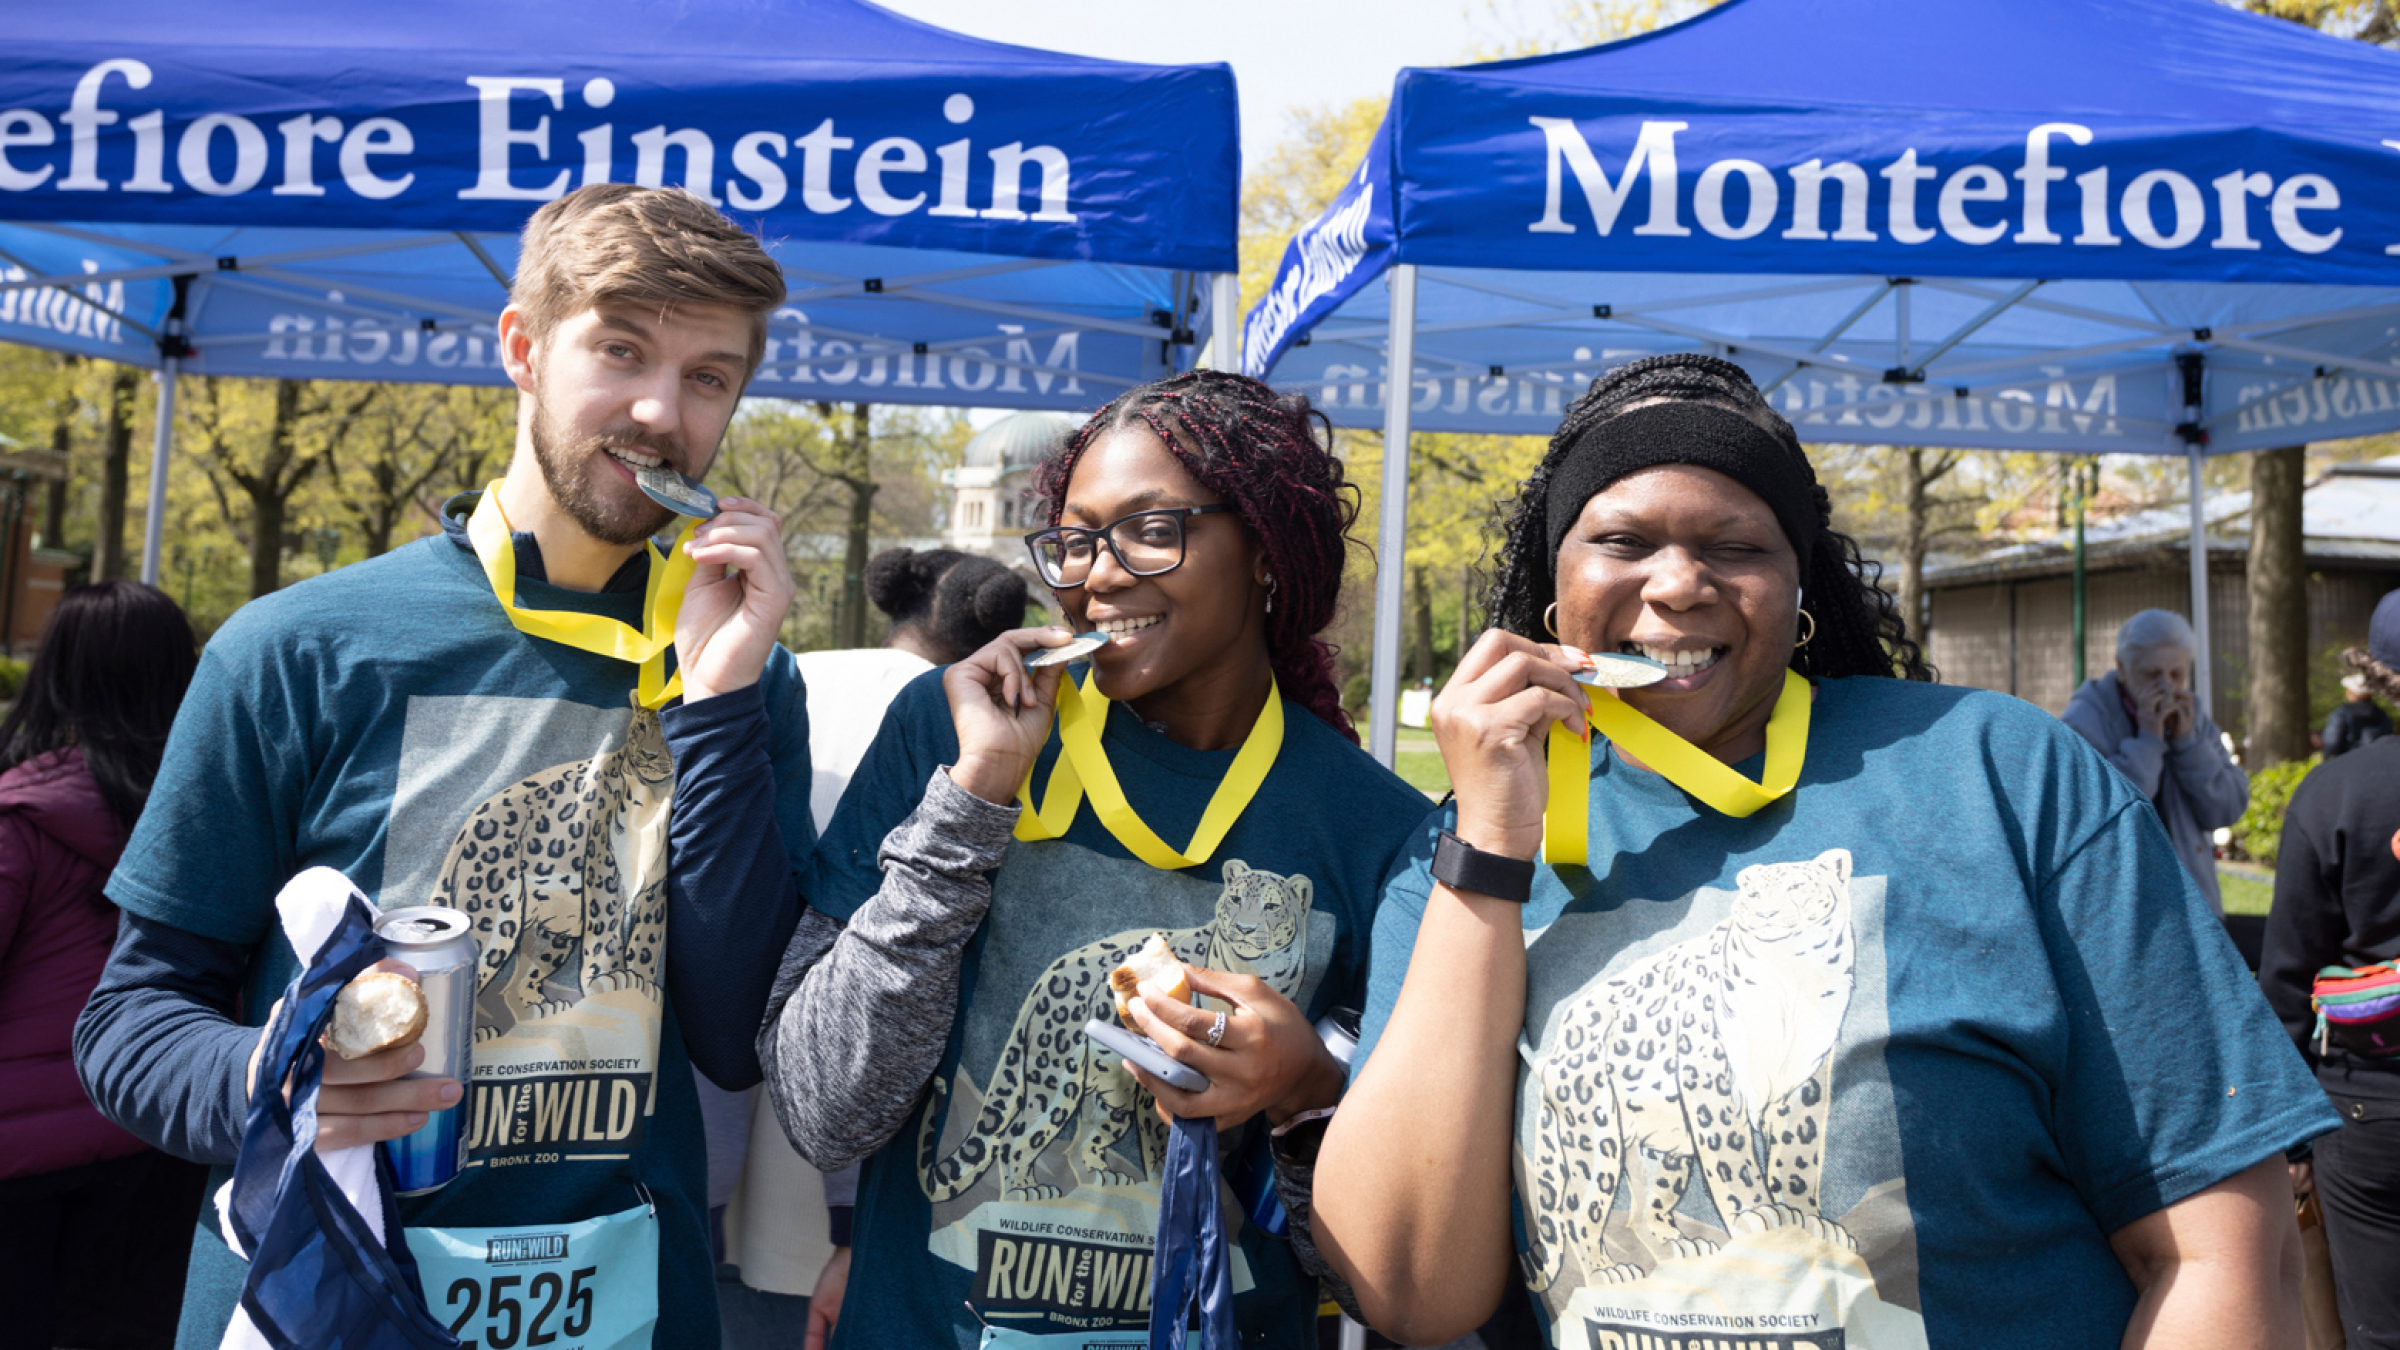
(1808, 1006)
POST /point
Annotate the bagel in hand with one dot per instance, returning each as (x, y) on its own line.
(1153, 972)
(380, 1010)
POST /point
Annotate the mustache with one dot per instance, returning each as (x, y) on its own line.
(665, 447)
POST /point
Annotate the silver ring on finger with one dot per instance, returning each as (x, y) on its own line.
(1216, 1031)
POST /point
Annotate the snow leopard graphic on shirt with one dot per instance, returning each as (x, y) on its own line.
(1675, 1117)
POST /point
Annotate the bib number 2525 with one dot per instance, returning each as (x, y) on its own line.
(591, 1285)
(519, 1310)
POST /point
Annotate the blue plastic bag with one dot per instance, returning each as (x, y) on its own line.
(1192, 1261)
(319, 1279)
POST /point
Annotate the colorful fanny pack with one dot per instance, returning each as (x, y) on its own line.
(2359, 1010)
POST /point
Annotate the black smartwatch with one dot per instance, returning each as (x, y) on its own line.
(1461, 866)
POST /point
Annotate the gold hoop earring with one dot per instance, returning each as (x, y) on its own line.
(1811, 635)
(1548, 617)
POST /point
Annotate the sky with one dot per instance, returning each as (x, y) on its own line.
(1285, 53)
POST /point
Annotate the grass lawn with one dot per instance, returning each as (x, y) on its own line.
(2246, 890)
(1420, 762)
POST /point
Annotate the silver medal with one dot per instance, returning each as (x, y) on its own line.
(1619, 670)
(681, 495)
(1073, 649)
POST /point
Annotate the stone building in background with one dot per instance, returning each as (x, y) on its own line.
(990, 512)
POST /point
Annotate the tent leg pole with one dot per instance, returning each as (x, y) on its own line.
(1225, 321)
(1391, 536)
(2204, 662)
(162, 444)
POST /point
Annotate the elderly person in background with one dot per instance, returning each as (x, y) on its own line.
(2143, 718)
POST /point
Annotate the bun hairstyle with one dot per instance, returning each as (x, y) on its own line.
(1858, 625)
(1261, 451)
(957, 602)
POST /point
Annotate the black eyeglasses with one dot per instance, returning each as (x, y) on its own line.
(1145, 543)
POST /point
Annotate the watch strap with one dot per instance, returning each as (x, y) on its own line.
(1463, 867)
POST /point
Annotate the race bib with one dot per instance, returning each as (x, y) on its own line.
(577, 1286)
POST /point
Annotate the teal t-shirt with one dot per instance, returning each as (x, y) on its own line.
(1882, 1065)
(1030, 1203)
(386, 720)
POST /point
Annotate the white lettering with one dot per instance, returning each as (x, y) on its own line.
(2038, 175)
(1808, 190)
(1708, 199)
(23, 126)
(954, 157)
(249, 155)
(300, 137)
(1974, 183)
(2190, 215)
(2234, 191)
(699, 160)
(1064, 352)
(1905, 175)
(84, 118)
(2304, 192)
(1008, 181)
(816, 169)
(750, 159)
(1653, 150)
(376, 136)
(496, 139)
(892, 154)
(2094, 187)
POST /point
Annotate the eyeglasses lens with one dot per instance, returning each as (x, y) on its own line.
(1146, 544)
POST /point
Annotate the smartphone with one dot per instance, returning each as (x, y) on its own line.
(1145, 1052)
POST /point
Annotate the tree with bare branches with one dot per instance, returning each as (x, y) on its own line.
(265, 449)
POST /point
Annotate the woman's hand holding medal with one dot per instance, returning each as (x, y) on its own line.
(1002, 711)
(1490, 721)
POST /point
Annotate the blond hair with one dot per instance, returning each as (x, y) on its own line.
(653, 247)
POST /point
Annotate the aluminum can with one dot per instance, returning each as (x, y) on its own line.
(440, 945)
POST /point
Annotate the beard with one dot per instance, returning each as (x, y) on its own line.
(567, 470)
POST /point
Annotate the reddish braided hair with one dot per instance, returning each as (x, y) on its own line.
(1260, 451)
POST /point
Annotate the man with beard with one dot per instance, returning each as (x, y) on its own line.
(488, 720)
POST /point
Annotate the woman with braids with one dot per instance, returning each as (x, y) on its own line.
(1808, 1003)
(1199, 780)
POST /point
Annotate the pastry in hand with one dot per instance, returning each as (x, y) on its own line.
(1152, 972)
(380, 1010)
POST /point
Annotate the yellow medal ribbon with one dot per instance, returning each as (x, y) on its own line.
(1567, 821)
(1082, 769)
(647, 647)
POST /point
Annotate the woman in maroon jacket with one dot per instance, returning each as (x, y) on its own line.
(95, 1227)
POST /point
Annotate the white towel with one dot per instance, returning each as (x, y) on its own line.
(311, 906)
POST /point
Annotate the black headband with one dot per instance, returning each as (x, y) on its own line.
(1686, 431)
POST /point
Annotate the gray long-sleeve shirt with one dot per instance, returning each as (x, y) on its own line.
(2194, 785)
(860, 1013)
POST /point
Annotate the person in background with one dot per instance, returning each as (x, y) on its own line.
(2337, 903)
(785, 1226)
(95, 1225)
(2357, 721)
(2143, 719)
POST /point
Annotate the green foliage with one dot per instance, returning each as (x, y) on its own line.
(12, 677)
(2259, 832)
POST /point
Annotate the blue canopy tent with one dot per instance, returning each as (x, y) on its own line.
(2150, 226)
(280, 189)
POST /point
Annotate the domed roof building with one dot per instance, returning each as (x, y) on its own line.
(989, 511)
